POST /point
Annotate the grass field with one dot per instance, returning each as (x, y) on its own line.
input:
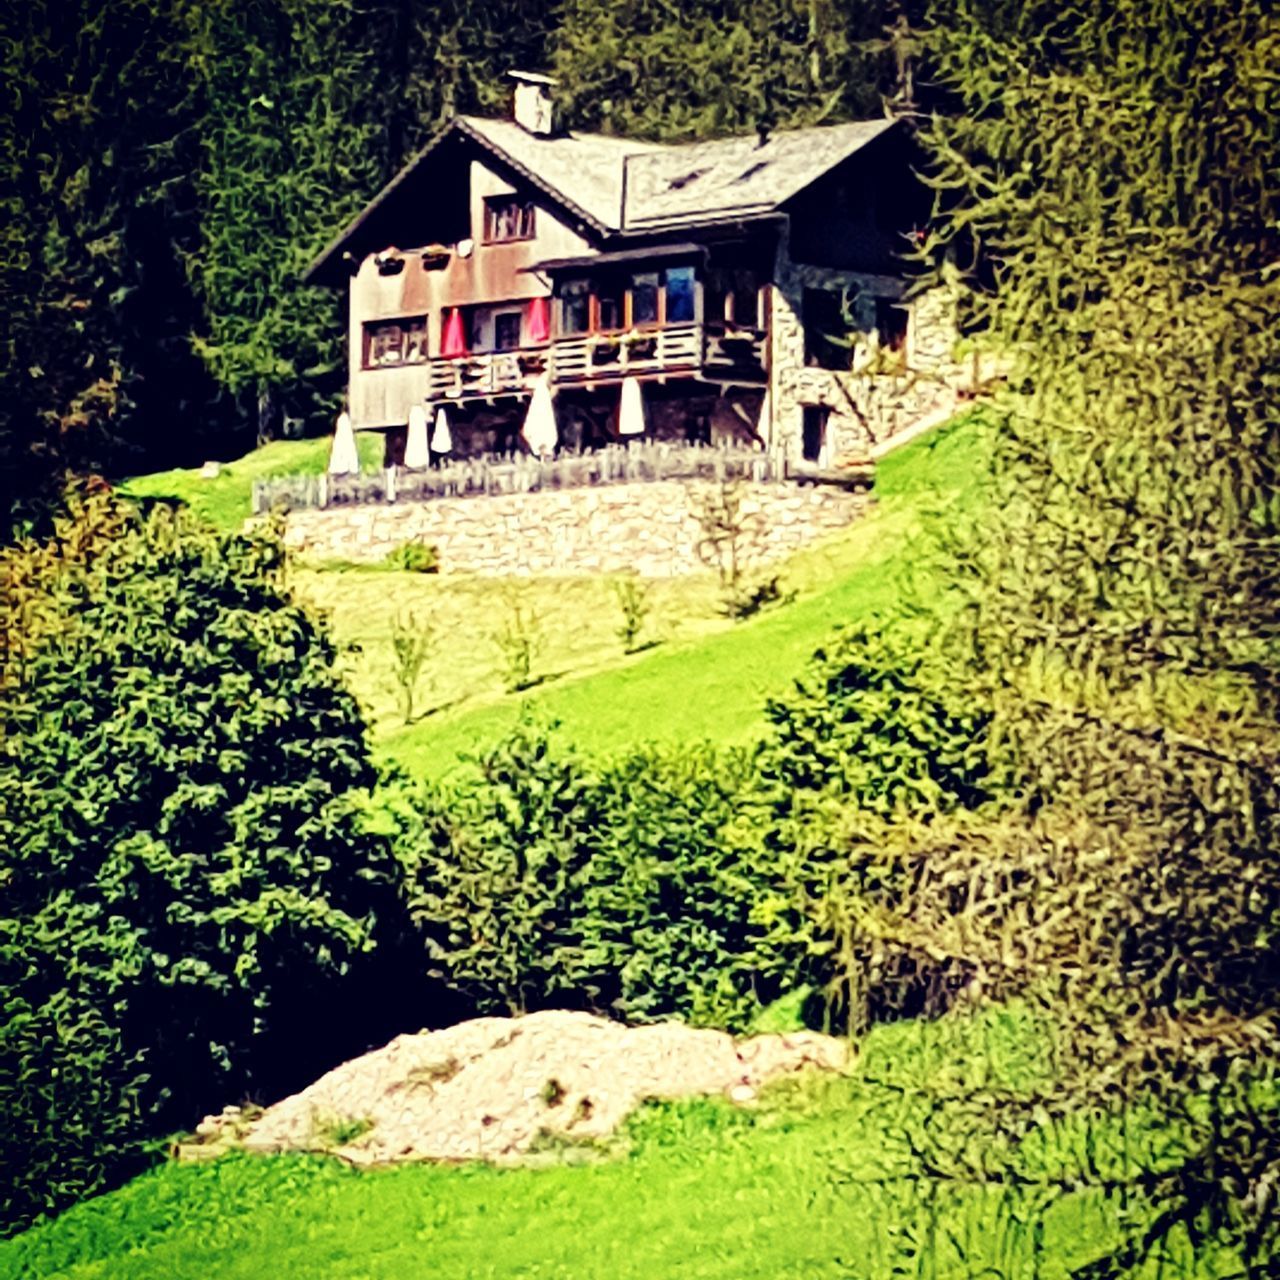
(701, 677)
(819, 1181)
(225, 500)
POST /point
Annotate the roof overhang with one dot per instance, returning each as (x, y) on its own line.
(620, 257)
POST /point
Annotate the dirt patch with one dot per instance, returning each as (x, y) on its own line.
(493, 1088)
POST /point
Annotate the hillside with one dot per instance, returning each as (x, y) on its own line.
(699, 676)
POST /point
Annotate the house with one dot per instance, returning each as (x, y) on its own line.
(754, 288)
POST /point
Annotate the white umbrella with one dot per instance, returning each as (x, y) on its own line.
(631, 411)
(539, 430)
(416, 453)
(344, 458)
(441, 437)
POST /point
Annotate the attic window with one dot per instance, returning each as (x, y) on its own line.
(752, 171)
(507, 218)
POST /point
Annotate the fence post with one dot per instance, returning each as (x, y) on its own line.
(391, 483)
(322, 489)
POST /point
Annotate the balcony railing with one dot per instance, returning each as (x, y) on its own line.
(718, 349)
(491, 373)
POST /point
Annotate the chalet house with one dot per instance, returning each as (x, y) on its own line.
(754, 287)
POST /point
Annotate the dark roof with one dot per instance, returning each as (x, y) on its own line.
(617, 186)
(617, 256)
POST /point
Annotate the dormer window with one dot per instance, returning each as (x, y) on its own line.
(508, 218)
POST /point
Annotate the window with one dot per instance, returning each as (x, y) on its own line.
(506, 331)
(829, 329)
(395, 342)
(644, 298)
(891, 325)
(814, 431)
(575, 307)
(733, 296)
(609, 305)
(680, 294)
(508, 218)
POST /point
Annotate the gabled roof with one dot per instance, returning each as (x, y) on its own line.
(735, 177)
(616, 186)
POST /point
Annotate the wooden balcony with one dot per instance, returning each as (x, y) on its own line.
(485, 375)
(676, 348)
(711, 351)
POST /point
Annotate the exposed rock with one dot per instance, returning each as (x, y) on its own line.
(492, 1088)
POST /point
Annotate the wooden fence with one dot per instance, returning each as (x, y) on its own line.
(617, 464)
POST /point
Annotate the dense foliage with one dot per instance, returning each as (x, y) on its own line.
(184, 873)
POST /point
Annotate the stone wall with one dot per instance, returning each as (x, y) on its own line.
(872, 401)
(652, 529)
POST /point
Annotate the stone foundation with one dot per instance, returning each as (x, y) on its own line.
(650, 529)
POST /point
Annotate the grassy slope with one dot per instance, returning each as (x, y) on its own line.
(705, 678)
(225, 499)
(708, 1191)
(708, 679)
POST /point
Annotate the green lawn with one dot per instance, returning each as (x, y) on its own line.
(701, 676)
(817, 1182)
(225, 499)
(704, 678)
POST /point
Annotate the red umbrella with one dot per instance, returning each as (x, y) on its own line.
(454, 342)
(539, 320)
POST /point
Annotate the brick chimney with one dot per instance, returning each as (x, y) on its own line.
(531, 108)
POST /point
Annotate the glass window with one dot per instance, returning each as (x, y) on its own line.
(609, 294)
(575, 307)
(680, 294)
(829, 329)
(644, 298)
(395, 342)
(508, 218)
(506, 331)
(891, 324)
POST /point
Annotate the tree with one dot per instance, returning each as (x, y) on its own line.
(184, 869)
(689, 71)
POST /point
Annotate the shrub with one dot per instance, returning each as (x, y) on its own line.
(633, 600)
(413, 643)
(414, 557)
(183, 868)
(518, 641)
(545, 881)
(494, 867)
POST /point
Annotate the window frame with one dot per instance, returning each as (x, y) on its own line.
(372, 330)
(526, 219)
(509, 314)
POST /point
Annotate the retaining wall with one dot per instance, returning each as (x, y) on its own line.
(652, 529)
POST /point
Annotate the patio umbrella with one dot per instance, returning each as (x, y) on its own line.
(441, 437)
(539, 320)
(344, 459)
(631, 410)
(454, 341)
(416, 453)
(539, 430)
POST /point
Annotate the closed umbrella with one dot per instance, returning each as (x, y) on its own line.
(539, 430)
(539, 320)
(631, 411)
(344, 458)
(454, 341)
(441, 437)
(416, 453)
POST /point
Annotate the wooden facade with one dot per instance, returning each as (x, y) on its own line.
(710, 273)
